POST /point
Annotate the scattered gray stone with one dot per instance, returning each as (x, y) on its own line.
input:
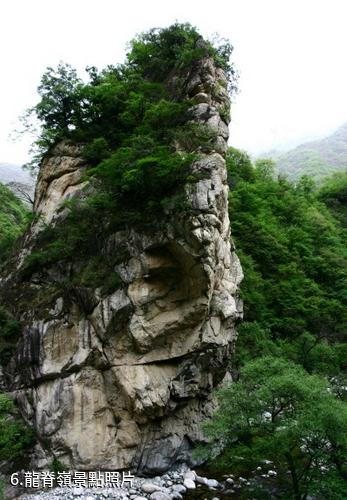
(190, 474)
(150, 487)
(160, 495)
(77, 491)
(212, 483)
(141, 489)
(200, 479)
(189, 484)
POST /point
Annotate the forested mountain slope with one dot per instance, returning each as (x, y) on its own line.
(317, 159)
(293, 250)
(291, 355)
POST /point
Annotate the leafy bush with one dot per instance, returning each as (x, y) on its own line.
(99, 273)
(143, 175)
(15, 435)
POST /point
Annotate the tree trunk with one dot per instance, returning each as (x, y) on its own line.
(295, 481)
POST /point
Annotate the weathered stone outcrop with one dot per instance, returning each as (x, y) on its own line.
(125, 380)
(60, 178)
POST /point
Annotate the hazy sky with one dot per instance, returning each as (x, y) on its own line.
(291, 56)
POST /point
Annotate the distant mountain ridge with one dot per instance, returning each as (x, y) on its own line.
(10, 172)
(317, 159)
(21, 183)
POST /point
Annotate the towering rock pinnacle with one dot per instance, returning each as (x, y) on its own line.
(126, 380)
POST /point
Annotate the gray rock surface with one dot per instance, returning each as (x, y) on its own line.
(189, 484)
(125, 380)
(149, 487)
(159, 495)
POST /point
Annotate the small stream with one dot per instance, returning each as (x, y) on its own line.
(260, 486)
(202, 492)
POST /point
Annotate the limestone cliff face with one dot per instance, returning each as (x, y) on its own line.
(125, 380)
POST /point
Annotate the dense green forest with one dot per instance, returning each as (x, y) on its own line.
(288, 402)
(294, 255)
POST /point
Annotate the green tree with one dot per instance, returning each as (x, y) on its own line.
(276, 411)
(159, 51)
(333, 193)
(265, 168)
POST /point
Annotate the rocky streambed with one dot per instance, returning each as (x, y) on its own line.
(181, 483)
